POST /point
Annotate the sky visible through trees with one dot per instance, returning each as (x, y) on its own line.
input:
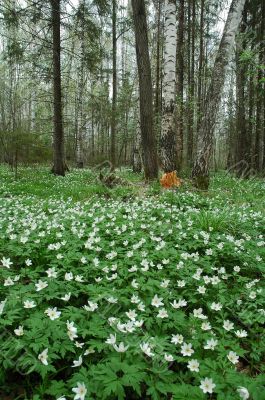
(132, 164)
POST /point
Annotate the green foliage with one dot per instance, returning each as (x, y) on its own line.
(104, 258)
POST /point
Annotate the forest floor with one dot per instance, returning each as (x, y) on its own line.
(130, 293)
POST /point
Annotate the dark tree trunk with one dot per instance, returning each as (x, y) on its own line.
(114, 86)
(260, 122)
(81, 125)
(137, 148)
(200, 172)
(251, 115)
(231, 140)
(180, 84)
(150, 163)
(59, 166)
(243, 148)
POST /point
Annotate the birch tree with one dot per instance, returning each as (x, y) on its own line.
(191, 80)
(180, 82)
(200, 171)
(168, 134)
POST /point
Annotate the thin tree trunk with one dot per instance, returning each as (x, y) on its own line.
(200, 70)
(92, 132)
(180, 84)
(158, 60)
(262, 59)
(168, 132)
(259, 143)
(191, 83)
(231, 142)
(137, 148)
(114, 86)
(59, 166)
(200, 172)
(145, 91)
(243, 164)
(80, 111)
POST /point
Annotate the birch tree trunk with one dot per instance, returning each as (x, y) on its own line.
(191, 80)
(201, 61)
(150, 163)
(200, 172)
(168, 131)
(180, 83)
(157, 70)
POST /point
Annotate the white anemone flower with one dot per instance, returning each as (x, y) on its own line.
(233, 357)
(193, 365)
(186, 349)
(41, 285)
(80, 391)
(207, 385)
(77, 363)
(43, 357)
(243, 393)
(19, 331)
(121, 348)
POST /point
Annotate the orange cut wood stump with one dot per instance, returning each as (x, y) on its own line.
(170, 180)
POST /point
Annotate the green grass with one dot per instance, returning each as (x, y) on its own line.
(77, 184)
(81, 184)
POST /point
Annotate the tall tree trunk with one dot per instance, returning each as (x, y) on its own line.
(262, 59)
(259, 142)
(168, 132)
(180, 84)
(200, 172)
(81, 120)
(114, 85)
(158, 61)
(243, 148)
(191, 80)
(58, 134)
(200, 69)
(59, 166)
(145, 91)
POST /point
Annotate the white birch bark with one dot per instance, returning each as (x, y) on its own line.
(200, 171)
(168, 135)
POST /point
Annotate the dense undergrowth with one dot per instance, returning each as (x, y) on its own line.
(130, 293)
